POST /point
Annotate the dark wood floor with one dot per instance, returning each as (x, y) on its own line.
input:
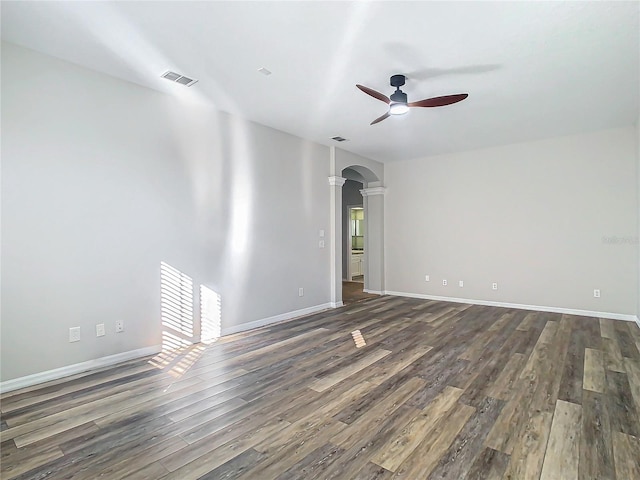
(353, 292)
(385, 388)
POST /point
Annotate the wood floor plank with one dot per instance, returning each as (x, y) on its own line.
(40, 393)
(151, 455)
(322, 384)
(573, 369)
(504, 386)
(531, 385)
(627, 345)
(330, 402)
(14, 461)
(478, 345)
(622, 411)
(298, 444)
(427, 454)
(352, 433)
(199, 458)
(489, 465)
(356, 458)
(596, 449)
(594, 379)
(528, 452)
(632, 368)
(235, 467)
(613, 359)
(138, 384)
(456, 462)
(393, 364)
(490, 365)
(393, 453)
(563, 449)
(313, 465)
(607, 329)
(626, 452)
(37, 430)
(372, 471)
(527, 321)
(440, 390)
(181, 389)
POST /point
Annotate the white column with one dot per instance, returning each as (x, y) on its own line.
(373, 199)
(336, 184)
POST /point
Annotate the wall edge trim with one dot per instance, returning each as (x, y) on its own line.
(538, 308)
(94, 364)
(275, 319)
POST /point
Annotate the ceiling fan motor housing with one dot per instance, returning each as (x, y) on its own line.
(398, 80)
(399, 97)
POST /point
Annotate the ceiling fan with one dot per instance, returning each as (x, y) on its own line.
(398, 104)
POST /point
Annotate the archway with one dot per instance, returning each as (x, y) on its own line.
(373, 204)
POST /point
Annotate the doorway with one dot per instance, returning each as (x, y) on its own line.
(367, 183)
(354, 241)
(355, 244)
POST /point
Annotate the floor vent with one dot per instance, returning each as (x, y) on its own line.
(181, 79)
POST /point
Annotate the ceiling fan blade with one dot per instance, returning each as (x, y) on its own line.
(379, 119)
(374, 94)
(439, 101)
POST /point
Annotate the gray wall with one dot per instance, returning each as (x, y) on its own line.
(102, 180)
(351, 197)
(538, 218)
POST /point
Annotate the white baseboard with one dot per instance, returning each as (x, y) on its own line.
(539, 308)
(275, 319)
(336, 304)
(638, 321)
(56, 373)
(375, 292)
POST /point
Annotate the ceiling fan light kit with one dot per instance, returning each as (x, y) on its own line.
(398, 108)
(398, 104)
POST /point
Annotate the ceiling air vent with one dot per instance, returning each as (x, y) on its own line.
(181, 79)
(339, 139)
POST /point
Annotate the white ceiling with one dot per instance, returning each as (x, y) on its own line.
(531, 69)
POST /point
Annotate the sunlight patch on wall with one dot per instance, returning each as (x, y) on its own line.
(210, 315)
(178, 353)
(241, 194)
(176, 307)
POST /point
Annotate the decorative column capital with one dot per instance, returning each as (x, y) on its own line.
(367, 192)
(337, 181)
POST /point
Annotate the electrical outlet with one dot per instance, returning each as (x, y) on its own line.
(100, 330)
(444, 282)
(596, 293)
(119, 326)
(461, 283)
(74, 334)
(426, 278)
(494, 286)
(301, 292)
